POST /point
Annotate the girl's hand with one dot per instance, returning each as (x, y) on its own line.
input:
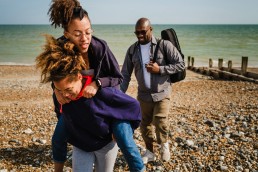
(90, 90)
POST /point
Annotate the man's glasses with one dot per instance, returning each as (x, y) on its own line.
(79, 34)
(141, 32)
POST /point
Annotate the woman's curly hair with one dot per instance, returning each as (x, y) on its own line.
(59, 59)
(61, 12)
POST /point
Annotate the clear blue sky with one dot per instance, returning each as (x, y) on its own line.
(127, 12)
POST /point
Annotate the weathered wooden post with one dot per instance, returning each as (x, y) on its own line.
(229, 65)
(210, 63)
(192, 61)
(220, 65)
(244, 65)
(188, 61)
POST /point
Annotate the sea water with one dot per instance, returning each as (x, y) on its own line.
(20, 44)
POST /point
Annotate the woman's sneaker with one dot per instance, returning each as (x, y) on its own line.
(148, 156)
(164, 152)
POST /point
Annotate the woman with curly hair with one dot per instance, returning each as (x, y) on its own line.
(75, 21)
(88, 120)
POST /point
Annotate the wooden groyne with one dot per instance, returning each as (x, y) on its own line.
(226, 73)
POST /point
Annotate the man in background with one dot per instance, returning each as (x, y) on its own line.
(154, 87)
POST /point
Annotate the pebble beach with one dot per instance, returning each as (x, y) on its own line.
(213, 125)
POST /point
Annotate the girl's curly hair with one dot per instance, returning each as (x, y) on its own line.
(59, 59)
(61, 12)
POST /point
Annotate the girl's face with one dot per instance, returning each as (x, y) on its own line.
(70, 86)
(80, 33)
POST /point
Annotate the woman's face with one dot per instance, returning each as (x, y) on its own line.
(70, 86)
(80, 33)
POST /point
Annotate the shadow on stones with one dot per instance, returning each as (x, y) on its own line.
(33, 155)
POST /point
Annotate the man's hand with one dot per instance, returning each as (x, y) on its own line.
(90, 90)
(60, 98)
(152, 67)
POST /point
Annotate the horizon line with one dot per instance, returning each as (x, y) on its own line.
(134, 24)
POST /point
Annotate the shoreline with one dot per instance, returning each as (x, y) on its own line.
(210, 122)
(21, 64)
(249, 69)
